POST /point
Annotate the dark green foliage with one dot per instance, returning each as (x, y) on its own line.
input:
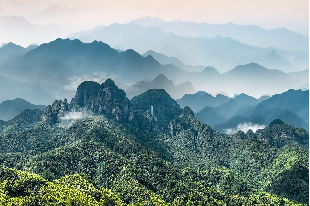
(164, 158)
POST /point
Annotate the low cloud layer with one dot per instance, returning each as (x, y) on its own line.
(244, 127)
(71, 117)
(68, 91)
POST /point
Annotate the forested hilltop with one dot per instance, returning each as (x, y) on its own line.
(104, 149)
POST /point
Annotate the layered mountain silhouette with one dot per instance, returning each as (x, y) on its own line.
(201, 99)
(19, 30)
(160, 82)
(146, 150)
(248, 34)
(65, 58)
(36, 93)
(12, 50)
(221, 52)
(11, 108)
(52, 64)
(291, 106)
(163, 59)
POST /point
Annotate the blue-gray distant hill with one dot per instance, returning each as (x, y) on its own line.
(11, 50)
(221, 52)
(160, 82)
(163, 59)
(201, 99)
(281, 38)
(37, 93)
(19, 30)
(291, 106)
(53, 64)
(11, 108)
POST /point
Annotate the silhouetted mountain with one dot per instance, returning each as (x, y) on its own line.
(65, 58)
(246, 100)
(201, 99)
(11, 50)
(291, 107)
(163, 59)
(274, 61)
(54, 63)
(11, 108)
(160, 82)
(32, 92)
(223, 53)
(249, 34)
(19, 30)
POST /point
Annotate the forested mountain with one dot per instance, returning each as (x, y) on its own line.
(104, 149)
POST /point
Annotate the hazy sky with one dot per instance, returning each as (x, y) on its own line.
(292, 14)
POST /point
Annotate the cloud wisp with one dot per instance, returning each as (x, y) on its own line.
(244, 127)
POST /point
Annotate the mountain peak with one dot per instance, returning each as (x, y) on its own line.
(276, 122)
(209, 69)
(161, 78)
(109, 83)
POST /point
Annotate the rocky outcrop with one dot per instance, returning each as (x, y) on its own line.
(112, 102)
(106, 99)
(53, 112)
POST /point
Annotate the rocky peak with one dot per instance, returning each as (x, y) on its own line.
(85, 91)
(276, 122)
(53, 112)
(187, 110)
(111, 101)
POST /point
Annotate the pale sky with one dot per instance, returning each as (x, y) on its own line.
(268, 14)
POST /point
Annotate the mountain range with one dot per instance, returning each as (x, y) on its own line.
(160, 82)
(201, 99)
(19, 30)
(103, 147)
(220, 52)
(54, 63)
(291, 106)
(163, 59)
(11, 108)
(248, 34)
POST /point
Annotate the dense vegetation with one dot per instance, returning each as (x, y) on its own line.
(124, 154)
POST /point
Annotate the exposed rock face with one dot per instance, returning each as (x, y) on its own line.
(112, 102)
(85, 92)
(105, 99)
(53, 113)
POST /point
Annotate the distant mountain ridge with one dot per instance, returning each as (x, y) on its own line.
(160, 82)
(248, 34)
(52, 64)
(291, 106)
(163, 59)
(11, 108)
(221, 52)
